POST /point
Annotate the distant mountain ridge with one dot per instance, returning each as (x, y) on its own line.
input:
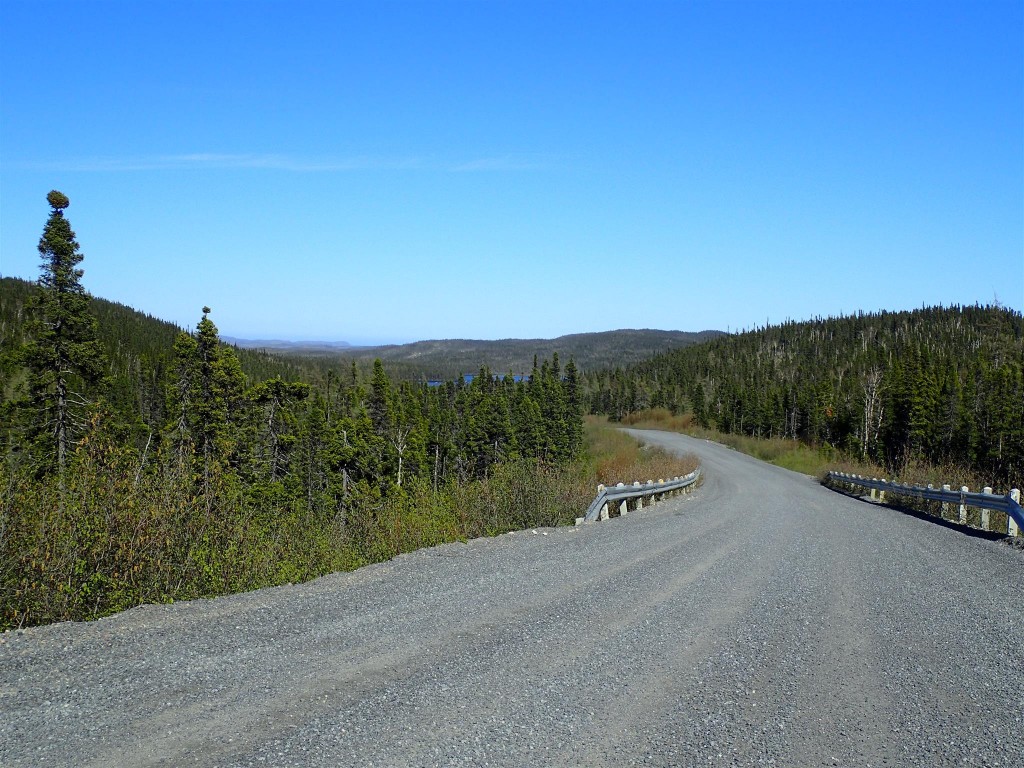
(289, 347)
(446, 358)
(137, 341)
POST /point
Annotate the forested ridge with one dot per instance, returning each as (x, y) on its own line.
(138, 348)
(942, 385)
(448, 358)
(144, 463)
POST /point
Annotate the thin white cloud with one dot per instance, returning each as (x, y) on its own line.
(275, 162)
(221, 161)
(499, 164)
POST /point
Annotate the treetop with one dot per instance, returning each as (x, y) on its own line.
(58, 200)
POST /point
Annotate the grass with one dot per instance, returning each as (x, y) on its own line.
(615, 457)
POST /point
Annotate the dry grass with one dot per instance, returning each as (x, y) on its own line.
(660, 418)
(618, 458)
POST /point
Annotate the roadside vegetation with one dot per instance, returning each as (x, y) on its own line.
(112, 538)
(615, 457)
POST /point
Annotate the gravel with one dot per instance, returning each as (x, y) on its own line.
(762, 620)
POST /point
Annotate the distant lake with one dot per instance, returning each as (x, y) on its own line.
(467, 378)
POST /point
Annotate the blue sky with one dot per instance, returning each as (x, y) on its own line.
(394, 171)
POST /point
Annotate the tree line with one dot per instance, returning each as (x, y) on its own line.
(942, 385)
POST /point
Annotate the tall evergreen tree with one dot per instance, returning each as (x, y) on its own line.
(574, 410)
(275, 432)
(207, 395)
(64, 357)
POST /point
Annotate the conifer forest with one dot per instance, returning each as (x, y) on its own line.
(143, 463)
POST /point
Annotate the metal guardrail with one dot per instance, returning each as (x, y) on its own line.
(963, 498)
(622, 493)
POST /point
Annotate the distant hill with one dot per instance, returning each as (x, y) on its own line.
(312, 348)
(447, 358)
(140, 346)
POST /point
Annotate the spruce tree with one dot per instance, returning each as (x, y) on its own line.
(206, 398)
(574, 410)
(700, 412)
(64, 357)
(379, 405)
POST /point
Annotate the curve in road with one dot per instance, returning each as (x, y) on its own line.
(763, 620)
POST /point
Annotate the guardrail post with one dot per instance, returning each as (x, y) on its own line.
(945, 505)
(624, 504)
(881, 494)
(963, 507)
(874, 492)
(639, 499)
(604, 507)
(986, 514)
(1011, 525)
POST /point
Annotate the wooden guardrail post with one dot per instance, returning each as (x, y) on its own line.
(881, 493)
(945, 505)
(874, 491)
(604, 507)
(624, 504)
(639, 499)
(963, 507)
(1011, 525)
(986, 514)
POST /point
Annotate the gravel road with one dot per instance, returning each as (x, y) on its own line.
(762, 620)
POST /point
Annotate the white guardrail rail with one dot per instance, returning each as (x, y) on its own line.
(950, 499)
(623, 494)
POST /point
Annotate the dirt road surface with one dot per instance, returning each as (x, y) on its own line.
(761, 621)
